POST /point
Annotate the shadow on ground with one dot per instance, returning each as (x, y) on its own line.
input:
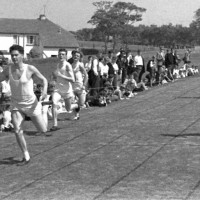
(182, 135)
(9, 161)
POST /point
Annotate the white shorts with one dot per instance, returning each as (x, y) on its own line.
(30, 110)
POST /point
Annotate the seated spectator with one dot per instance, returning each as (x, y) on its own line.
(190, 70)
(7, 120)
(176, 73)
(183, 71)
(112, 94)
(196, 70)
(97, 100)
(5, 90)
(130, 87)
(46, 103)
(164, 75)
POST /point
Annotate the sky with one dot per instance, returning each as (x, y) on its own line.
(74, 14)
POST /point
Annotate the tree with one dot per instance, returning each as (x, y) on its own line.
(195, 26)
(112, 19)
(84, 34)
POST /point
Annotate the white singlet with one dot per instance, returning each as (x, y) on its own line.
(63, 86)
(23, 97)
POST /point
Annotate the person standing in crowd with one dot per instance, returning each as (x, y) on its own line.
(160, 59)
(103, 71)
(62, 77)
(177, 62)
(151, 68)
(122, 64)
(139, 66)
(7, 120)
(94, 75)
(5, 90)
(70, 60)
(24, 101)
(88, 64)
(113, 72)
(80, 83)
(110, 55)
(130, 64)
(186, 59)
(170, 64)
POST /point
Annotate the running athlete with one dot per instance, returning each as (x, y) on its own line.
(64, 77)
(81, 81)
(23, 98)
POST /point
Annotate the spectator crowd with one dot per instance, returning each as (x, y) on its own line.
(111, 77)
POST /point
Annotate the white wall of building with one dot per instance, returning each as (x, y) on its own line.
(50, 52)
(6, 41)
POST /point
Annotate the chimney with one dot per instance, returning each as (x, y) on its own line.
(42, 17)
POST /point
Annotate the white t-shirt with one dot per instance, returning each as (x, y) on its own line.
(104, 69)
(88, 66)
(63, 85)
(6, 88)
(115, 67)
(95, 66)
(138, 60)
(7, 118)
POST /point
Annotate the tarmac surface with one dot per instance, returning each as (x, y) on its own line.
(144, 148)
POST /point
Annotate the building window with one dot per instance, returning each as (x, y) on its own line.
(31, 40)
(15, 39)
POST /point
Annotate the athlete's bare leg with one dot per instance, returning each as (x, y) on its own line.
(18, 119)
(55, 99)
(39, 123)
(81, 102)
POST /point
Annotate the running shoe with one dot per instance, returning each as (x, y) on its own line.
(54, 128)
(23, 162)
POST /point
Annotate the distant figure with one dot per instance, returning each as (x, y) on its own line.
(139, 66)
(160, 59)
(170, 62)
(151, 68)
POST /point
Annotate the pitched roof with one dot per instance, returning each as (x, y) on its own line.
(52, 35)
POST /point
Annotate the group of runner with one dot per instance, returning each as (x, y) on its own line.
(71, 80)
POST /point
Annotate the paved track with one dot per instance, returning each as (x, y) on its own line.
(147, 147)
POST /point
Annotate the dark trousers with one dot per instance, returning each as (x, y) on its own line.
(115, 79)
(138, 73)
(124, 75)
(170, 71)
(158, 74)
(95, 84)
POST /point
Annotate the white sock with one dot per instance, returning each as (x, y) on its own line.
(26, 155)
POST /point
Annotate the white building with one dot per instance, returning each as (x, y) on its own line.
(39, 33)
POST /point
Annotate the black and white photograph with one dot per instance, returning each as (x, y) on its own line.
(99, 100)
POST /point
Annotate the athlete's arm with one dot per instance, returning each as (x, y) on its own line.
(70, 76)
(36, 72)
(85, 75)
